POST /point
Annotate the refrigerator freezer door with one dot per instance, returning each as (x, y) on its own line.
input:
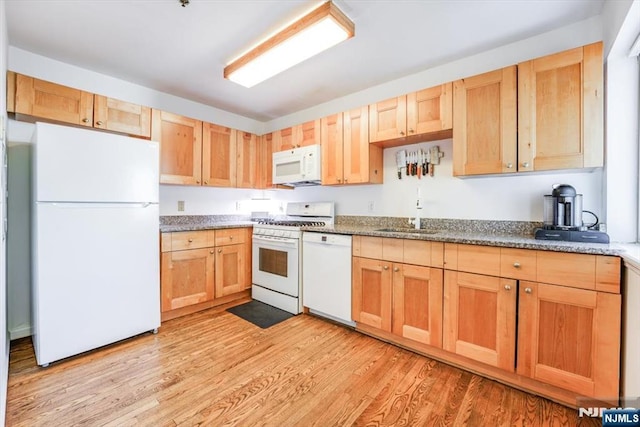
(79, 165)
(96, 276)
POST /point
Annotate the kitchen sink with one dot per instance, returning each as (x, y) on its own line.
(407, 230)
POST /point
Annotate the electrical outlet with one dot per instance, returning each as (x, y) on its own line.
(180, 205)
(370, 206)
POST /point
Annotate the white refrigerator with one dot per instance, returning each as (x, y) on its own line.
(96, 273)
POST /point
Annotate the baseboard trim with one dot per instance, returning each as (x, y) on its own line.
(21, 331)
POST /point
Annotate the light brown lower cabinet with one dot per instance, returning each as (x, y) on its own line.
(480, 318)
(202, 269)
(570, 338)
(559, 339)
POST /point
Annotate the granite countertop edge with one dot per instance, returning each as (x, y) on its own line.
(488, 239)
(172, 228)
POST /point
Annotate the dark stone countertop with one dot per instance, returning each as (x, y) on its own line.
(169, 224)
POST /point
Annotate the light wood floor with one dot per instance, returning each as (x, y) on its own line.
(212, 368)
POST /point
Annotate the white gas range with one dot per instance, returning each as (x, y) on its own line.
(277, 254)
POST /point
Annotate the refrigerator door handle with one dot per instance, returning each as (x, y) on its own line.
(98, 205)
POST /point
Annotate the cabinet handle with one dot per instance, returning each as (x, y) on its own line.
(410, 130)
(527, 290)
(507, 287)
(402, 132)
(509, 165)
(525, 165)
(99, 123)
(190, 240)
(396, 269)
(516, 264)
(219, 251)
(85, 120)
(385, 267)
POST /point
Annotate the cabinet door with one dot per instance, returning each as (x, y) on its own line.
(388, 119)
(560, 110)
(120, 116)
(484, 123)
(51, 101)
(430, 110)
(371, 293)
(417, 303)
(283, 139)
(362, 162)
(219, 156)
(307, 133)
(567, 337)
(332, 149)
(230, 269)
(180, 147)
(247, 161)
(187, 278)
(265, 162)
(480, 318)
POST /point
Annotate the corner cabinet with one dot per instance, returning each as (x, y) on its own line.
(543, 114)
(204, 269)
(347, 156)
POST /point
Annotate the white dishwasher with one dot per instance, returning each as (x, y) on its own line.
(326, 275)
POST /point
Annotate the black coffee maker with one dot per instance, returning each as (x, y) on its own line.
(563, 218)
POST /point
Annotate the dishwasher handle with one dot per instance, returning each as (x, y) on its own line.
(327, 239)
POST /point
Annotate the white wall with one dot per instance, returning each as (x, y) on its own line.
(622, 25)
(4, 341)
(49, 69)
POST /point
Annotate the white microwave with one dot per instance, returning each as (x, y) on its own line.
(297, 167)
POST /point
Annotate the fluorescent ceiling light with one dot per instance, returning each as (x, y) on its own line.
(320, 29)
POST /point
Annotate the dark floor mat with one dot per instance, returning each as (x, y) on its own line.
(260, 314)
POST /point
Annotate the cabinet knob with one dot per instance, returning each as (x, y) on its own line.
(197, 181)
(509, 165)
(219, 251)
(402, 132)
(190, 240)
(230, 237)
(206, 182)
(339, 180)
(345, 180)
(516, 264)
(99, 123)
(85, 120)
(527, 290)
(396, 269)
(410, 130)
(507, 287)
(385, 267)
(525, 164)
(211, 251)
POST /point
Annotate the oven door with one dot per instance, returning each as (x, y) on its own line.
(275, 264)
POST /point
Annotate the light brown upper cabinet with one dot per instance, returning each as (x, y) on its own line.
(307, 133)
(247, 158)
(544, 114)
(38, 98)
(265, 161)
(219, 155)
(120, 116)
(560, 110)
(418, 113)
(347, 157)
(180, 141)
(484, 123)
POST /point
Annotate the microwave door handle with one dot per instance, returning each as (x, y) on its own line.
(304, 165)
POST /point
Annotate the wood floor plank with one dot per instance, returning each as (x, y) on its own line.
(213, 368)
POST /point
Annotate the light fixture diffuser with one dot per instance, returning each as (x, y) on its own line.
(320, 29)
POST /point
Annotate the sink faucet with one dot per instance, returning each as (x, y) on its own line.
(416, 221)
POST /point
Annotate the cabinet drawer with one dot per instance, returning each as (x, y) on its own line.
(575, 270)
(472, 259)
(518, 264)
(191, 239)
(230, 236)
(420, 252)
(383, 248)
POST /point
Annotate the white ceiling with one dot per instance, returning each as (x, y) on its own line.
(182, 51)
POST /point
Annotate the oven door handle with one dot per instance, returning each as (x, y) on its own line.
(276, 241)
